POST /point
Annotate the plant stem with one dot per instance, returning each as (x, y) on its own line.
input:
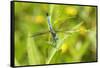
(54, 50)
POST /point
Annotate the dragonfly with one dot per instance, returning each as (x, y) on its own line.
(52, 31)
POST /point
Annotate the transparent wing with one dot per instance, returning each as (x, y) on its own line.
(57, 31)
(40, 33)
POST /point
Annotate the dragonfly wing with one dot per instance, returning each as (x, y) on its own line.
(72, 30)
(40, 33)
(62, 31)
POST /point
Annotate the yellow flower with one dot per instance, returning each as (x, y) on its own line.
(39, 19)
(72, 11)
(82, 30)
(29, 18)
(64, 48)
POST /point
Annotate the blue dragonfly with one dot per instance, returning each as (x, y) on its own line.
(54, 32)
(51, 31)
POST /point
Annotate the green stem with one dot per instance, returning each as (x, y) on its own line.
(55, 49)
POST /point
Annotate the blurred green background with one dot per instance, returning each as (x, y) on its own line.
(77, 46)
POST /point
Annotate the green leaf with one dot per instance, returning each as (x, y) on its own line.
(34, 55)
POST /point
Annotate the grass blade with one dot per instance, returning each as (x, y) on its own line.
(34, 55)
(54, 50)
